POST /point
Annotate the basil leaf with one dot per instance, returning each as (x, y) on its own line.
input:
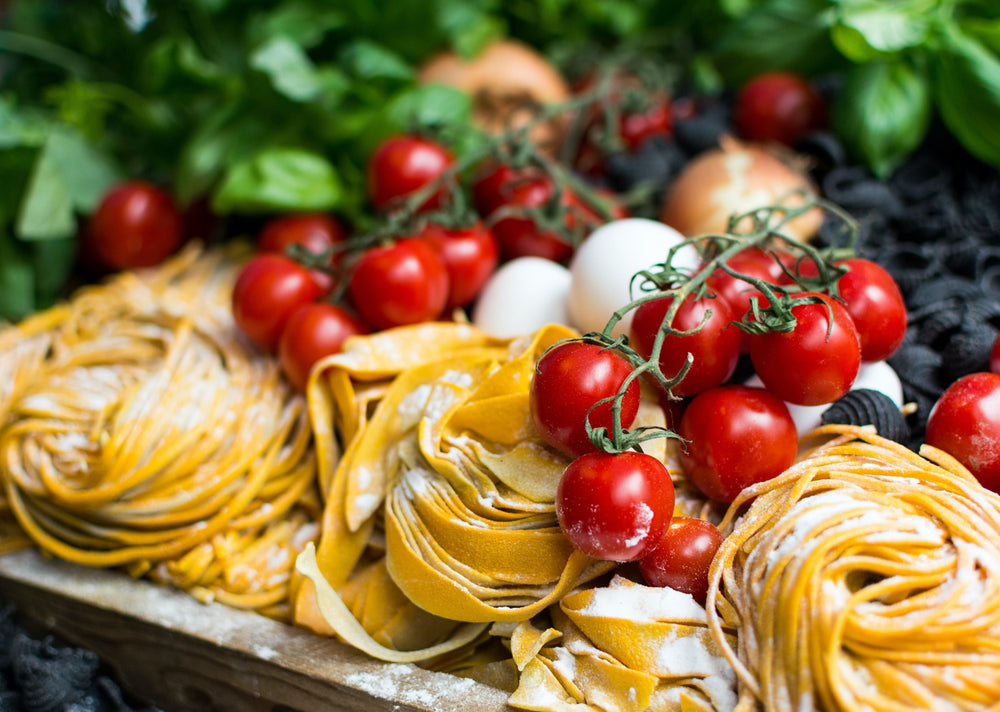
(289, 68)
(69, 176)
(777, 34)
(302, 22)
(966, 81)
(17, 280)
(867, 30)
(53, 262)
(882, 113)
(369, 60)
(279, 179)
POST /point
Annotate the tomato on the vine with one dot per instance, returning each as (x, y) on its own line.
(136, 224)
(876, 306)
(520, 235)
(714, 347)
(470, 255)
(404, 164)
(569, 379)
(682, 558)
(778, 106)
(267, 290)
(965, 423)
(402, 283)
(817, 361)
(316, 233)
(312, 332)
(615, 506)
(736, 436)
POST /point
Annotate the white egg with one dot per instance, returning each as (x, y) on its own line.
(876, 375)
(605, 262)
(522, 296)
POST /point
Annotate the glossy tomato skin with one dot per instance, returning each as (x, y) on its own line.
(492, 184)
(615, 506)
(715, 347)
(267, 290)
(403, 283)
(519, 235)
(568, 380)
(470, 255)
(136, 224)
(817, 361)
(778, 106)
(737, 436)
(876, 306)
(316, 233)
(403, 164)
(682, 558)
(312, 332)
(965, 423)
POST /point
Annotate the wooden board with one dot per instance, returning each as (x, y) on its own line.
(169, 650)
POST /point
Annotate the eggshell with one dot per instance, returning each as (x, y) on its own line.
(522, 296)
(605, 262)
(877, 375)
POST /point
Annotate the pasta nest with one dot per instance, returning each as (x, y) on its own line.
(140, 430)
(866, 577)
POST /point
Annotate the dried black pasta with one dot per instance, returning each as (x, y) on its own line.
(865, 406)
(967, 351)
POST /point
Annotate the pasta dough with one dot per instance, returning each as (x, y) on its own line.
(139, 430)
(866, 577)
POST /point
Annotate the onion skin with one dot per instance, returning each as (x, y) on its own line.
(737, 178)
(506, 81)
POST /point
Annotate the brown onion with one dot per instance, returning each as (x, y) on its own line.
(737, 178)
(507, 81)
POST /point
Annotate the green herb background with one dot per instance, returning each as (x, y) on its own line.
(255, 108)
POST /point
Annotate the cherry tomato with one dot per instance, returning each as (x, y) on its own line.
(615, 506)
(683, 557)
(136, 224)
(316, 233)
(268, 289)
(965, 423)
(470, 255)
(778, 106)
(637, 123)
(403, 283)
(753, 262)
(995, 356)
(403, 164)
(715, 347)
(492, 184)
(568, 380)
(519, 235)
(817, 361)
(737, 436)
(876, 306)
(312, 332)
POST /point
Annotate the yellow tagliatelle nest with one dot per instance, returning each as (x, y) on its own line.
(866, 577)
(139, 430)
(440, 543)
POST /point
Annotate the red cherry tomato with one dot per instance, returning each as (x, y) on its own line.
(965, 423)
(470, 255)
(995, 356)
(615, 506)
(753, 262)
(268, 289)
(404, 283)
(403, 164)
(737, 436)
(817, 361)
(519, 234)
(568, 380)
(778, 106)
(316, 233)
(636, 125)
(136, 224)
(715, 347)
(876, 306)
(682, 558)
(492, 184)
(312, 332)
